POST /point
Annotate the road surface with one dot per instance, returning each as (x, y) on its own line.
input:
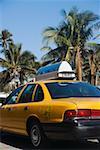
(15, 142)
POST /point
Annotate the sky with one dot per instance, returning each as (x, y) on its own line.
(26, 19)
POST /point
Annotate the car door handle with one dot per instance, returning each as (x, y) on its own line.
(26, 108)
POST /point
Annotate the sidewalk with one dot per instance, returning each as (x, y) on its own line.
(7, 147)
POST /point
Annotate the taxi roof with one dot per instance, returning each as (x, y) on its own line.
(51, 81)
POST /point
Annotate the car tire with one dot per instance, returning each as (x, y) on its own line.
(37, 135)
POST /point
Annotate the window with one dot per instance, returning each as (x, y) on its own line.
(11, 99)
(27, 94)
(67, 89)
(2, 99)
(39, 95)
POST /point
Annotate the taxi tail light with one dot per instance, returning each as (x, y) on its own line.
(84, 113)
(70, 114)
(95, 113)
(81, 113)
(77, 113)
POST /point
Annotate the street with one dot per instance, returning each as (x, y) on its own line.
(16, 142)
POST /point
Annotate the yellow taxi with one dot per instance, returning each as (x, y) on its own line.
(57, 109)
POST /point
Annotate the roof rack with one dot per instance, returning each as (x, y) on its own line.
(61, 70)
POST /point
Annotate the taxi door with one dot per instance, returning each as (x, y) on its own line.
(18, 112)
(8, 110)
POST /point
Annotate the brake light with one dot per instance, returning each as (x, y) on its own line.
(70, 114)
(78, 113)
(81, 113)
(84, 113)
(95, 113)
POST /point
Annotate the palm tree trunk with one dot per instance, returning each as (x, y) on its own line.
(67, 58)
(78, 64)
(92, 67)
(92, 79)
(96, 80)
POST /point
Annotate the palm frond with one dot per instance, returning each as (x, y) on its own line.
(5, 64)
(46, 48)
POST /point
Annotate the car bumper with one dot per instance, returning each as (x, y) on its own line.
(73, 130)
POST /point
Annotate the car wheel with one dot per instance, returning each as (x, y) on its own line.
(37, 136)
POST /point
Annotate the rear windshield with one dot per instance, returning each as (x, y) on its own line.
(78, 89)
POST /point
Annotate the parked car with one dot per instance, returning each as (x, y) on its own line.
(58, 109)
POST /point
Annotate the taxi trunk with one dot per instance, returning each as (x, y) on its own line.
(85, 107)
(82, 122)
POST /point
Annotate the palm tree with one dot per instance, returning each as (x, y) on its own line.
(58, 37)
(53, 55)
(91, 65)
(94, 61)
(81, 29)
(76, 29)
(17, 63)
(5, 38)
(51, 34)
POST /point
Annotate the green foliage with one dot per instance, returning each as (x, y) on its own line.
(15, 61)
(91, 61)
(74, 32)
(5, 38)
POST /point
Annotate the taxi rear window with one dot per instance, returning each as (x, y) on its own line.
(74, 89)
